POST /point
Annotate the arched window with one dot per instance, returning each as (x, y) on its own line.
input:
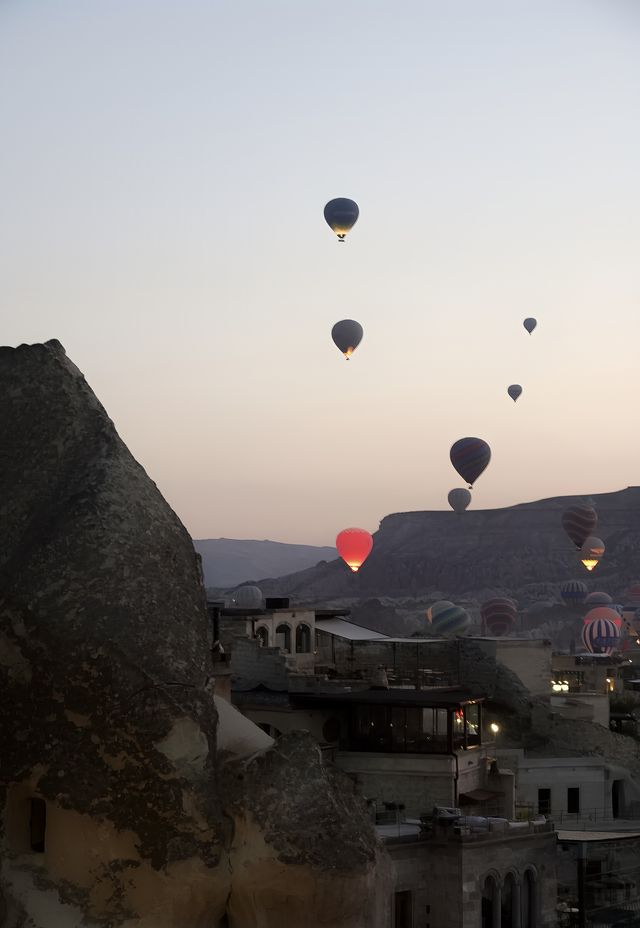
(508, 902)
(303, 639)
(262, 634)
(283, 638)
(528, 900)
(488, 902)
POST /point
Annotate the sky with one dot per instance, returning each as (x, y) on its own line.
(163, 172)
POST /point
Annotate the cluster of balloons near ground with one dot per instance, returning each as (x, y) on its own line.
(605, 623)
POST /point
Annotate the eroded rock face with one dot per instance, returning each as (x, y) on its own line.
(109, 777)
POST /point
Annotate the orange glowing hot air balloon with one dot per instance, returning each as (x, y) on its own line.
(354, 547)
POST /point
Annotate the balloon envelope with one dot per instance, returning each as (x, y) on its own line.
(603, 612)
(499, 615)
(347, 335)
(354, 547)
(470, 457)
(598, 599)
(579, 522)
(573, 591)
(600, 636)
(514, 391)
(459, 499)
(447, 619)
(341, 215)
(530, 323)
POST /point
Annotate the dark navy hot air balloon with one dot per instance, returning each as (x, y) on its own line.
(499, 615)
(598, 598)
(470, 457)
(530, 323)
(347, 335)
(514, 391)
(459, 499)
(573, 592)
(341, 215)
(579, 522)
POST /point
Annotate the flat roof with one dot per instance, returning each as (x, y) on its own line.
(446, 697)
(578, 837)
(348, 630)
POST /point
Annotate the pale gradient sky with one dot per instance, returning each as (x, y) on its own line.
(163, 171)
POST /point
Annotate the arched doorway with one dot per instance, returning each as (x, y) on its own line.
(489, 901)
(528, 900)
(283, 638)
(507, 907)
(303, 639)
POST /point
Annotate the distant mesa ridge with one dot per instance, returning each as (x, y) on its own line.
(511, 549)
(229, 561)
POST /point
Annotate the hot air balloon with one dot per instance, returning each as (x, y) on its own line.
(459, 499)
(601, 636)
(573, 592)
(530, 323)
(603, 612)
(499, 615)
(447, 619)
(347, 335)
(598, 599)
(341, 215)
(591, 552)
(354, 547)
(470, 456)
(514, 391)
(579, 522)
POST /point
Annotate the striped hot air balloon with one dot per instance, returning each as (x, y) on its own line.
(573, 592)
(470, 457)
(598, 599)
(499, 615)
(600, 636)
(448, 619)
(579, 522)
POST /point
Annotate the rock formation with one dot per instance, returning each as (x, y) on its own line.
(520, 551)
(119, 811)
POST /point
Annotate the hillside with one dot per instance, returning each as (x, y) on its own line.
(228, 561)
(520, 550)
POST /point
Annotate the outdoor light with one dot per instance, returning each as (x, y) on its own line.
(495, 728)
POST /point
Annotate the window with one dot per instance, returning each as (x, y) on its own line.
(262, 634)
(37, 825)
(303, 639)
(573, 799)
(544, 802)
(283, 638)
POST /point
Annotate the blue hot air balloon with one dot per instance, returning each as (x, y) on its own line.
(448, 619)
(470, 457)
(530, 323)
(601, 636)
(573, 591)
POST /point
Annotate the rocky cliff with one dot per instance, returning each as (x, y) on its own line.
(520, 550)
(118, 808)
